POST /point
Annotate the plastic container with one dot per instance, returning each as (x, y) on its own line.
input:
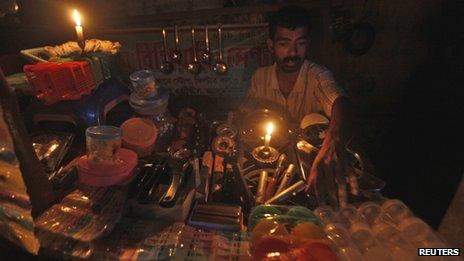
(103, 143)
(278, 230)
(139, 135)
(53, 82)
(107, 173)
(153, 106)
(143, 84)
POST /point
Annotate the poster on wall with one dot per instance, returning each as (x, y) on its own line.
(244, 51)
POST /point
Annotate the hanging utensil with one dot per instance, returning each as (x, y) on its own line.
(220, 67)
(206, 55)
(194, 67)
(166, 67)
(176, 54)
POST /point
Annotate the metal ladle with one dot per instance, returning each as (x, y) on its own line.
(220, 67)
(194, 67)
(166, 67)
(206, 55)
(176, 54)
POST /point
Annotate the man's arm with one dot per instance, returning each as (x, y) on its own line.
(327, 175)
(340, 126)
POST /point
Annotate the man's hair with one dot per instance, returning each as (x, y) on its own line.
(290, 17)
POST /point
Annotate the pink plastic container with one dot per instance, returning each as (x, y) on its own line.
(105, 173)
(139, 135)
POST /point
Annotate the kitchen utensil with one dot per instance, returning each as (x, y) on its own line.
(176, 54)
(286, 178)
(166, 67)
(194, 67)
(220, 67)
(206, 55)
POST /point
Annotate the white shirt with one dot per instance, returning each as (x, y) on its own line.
(315, 90)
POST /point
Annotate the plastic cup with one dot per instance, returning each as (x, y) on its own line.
(103, 143)
(143, 84)
(390, 236)
(419, 233)
(325, 214)
(394, 210)
(342, 240)
(370, 211)
(349, 215)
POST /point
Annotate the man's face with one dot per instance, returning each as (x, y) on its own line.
(289, 48)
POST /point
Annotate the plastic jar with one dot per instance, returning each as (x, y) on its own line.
(103, 143)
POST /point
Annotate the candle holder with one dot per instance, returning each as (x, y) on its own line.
(81, 44)
(265, 154)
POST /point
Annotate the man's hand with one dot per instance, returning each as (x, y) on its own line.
(327, 176)
(329, 172)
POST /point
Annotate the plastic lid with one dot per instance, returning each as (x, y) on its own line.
(141, 75)
(139, 132)
(161, 97)
(106, 174)
(103, 132)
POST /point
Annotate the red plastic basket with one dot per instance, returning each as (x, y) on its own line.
(53, 82)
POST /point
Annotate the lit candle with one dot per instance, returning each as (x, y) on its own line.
(267, 138)
(79, 30)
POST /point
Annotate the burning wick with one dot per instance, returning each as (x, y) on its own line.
(267, 138)
(79, 30)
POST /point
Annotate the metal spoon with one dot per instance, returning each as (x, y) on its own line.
(176, 54)
(194, 67)
(166, 67)
(206, 55)
(220, 67)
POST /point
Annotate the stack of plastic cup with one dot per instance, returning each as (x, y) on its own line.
(342, 240)
(367, 244)
(390, 236)
(395, 211)
(325, 214)
(370, 211)
(419, 233)
(349, 215)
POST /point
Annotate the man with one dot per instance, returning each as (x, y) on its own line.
(303, 87)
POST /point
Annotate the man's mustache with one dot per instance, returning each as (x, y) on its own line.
(294, 59)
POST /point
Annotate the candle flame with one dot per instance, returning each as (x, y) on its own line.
(77, 17)
(269, 128)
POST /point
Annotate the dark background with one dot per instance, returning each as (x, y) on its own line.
(407, 87)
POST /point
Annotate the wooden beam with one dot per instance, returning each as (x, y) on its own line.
(39, 188)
